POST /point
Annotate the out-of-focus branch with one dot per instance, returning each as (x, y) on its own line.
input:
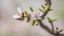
(49, 30)
(52, 27)
(48, 2)
(45, 27)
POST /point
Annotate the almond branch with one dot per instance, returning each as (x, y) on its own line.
(48, 2)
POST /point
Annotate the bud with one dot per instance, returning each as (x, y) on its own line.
(47, 2)
(22, 14)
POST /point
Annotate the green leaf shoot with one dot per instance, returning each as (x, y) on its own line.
(31, 9)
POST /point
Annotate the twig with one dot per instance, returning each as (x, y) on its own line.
(44, 26)
(52, 27)
(48, 2)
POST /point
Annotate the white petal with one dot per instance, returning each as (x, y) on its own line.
(38, 17)
(19, 10)
(33, 18)
(40, 14)
(16, 16)
(35, 10)
(31, 13)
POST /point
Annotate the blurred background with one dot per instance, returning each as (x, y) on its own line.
(12, 27)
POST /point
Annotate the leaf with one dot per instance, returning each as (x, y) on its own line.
(31, 9)
(54, 19)
(28, 19)
(33, 22)
(49, 20)
(47, 8)
(50, 9)
(22, 19)
(61, 30)
(38, 21)
(41, 10)
(25, 12)
(42, 6)
(36, 24)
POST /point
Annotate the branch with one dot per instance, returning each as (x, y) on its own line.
(48, 2)
(45, 27)
(52, 27)
(49, 30)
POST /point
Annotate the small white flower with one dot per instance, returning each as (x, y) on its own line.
(16, 17)
(19, 11)
(36, 15)
(19, 15)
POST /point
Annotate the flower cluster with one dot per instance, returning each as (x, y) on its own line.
(33, 14)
